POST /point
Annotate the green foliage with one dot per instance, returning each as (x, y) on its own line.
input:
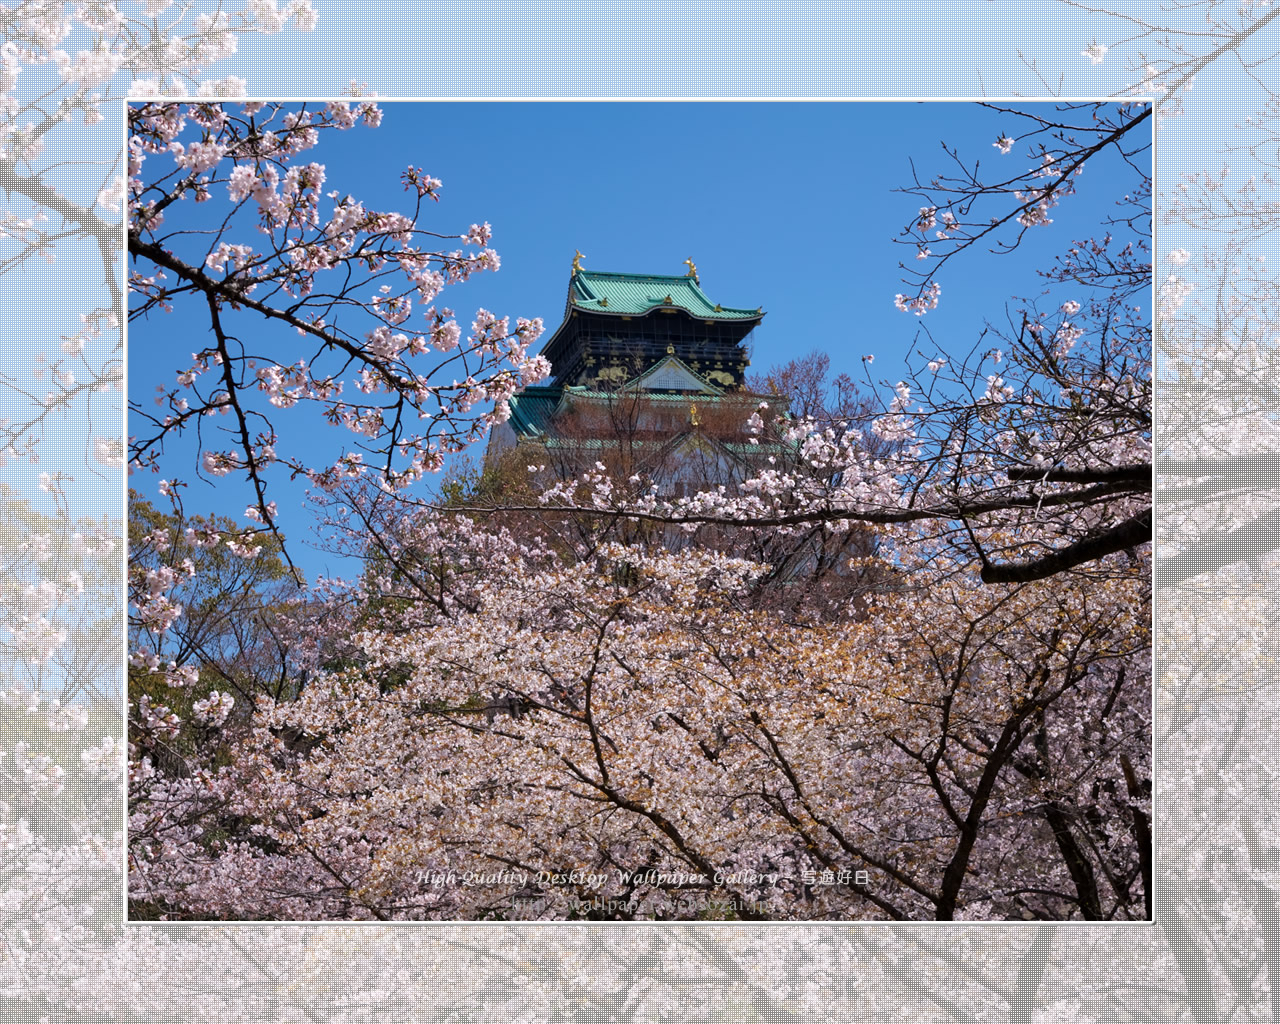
(218, 562)
(502, 479)
(236, 629)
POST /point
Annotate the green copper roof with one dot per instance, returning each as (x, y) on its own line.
(531, 410)
(633, 294)
(534, 408)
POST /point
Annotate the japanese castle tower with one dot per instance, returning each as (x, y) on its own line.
(647, 376)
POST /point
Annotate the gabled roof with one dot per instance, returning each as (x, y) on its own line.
(672, 374)
(601, 291)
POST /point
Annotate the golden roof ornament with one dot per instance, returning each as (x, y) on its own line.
(577, 260)
(693, 270)
(693, 416)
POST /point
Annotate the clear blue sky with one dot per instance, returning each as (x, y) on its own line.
(789, 206)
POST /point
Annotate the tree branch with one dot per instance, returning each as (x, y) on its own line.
(1130, 533)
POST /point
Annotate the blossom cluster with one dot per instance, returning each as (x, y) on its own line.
(546, 684)
(386, 385)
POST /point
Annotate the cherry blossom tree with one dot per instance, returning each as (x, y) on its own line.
(64, 68)
(63, 71)
(1030, 453)
(344, 279)
(967, 206)
(809, 390)
(1081, 372)
(1211, 957)
(1208, 960)
(632, 448)
(591, 705)
(503, 727)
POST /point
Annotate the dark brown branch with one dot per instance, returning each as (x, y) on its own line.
(1130, 533)
(1139, 473)
(1141, 829)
